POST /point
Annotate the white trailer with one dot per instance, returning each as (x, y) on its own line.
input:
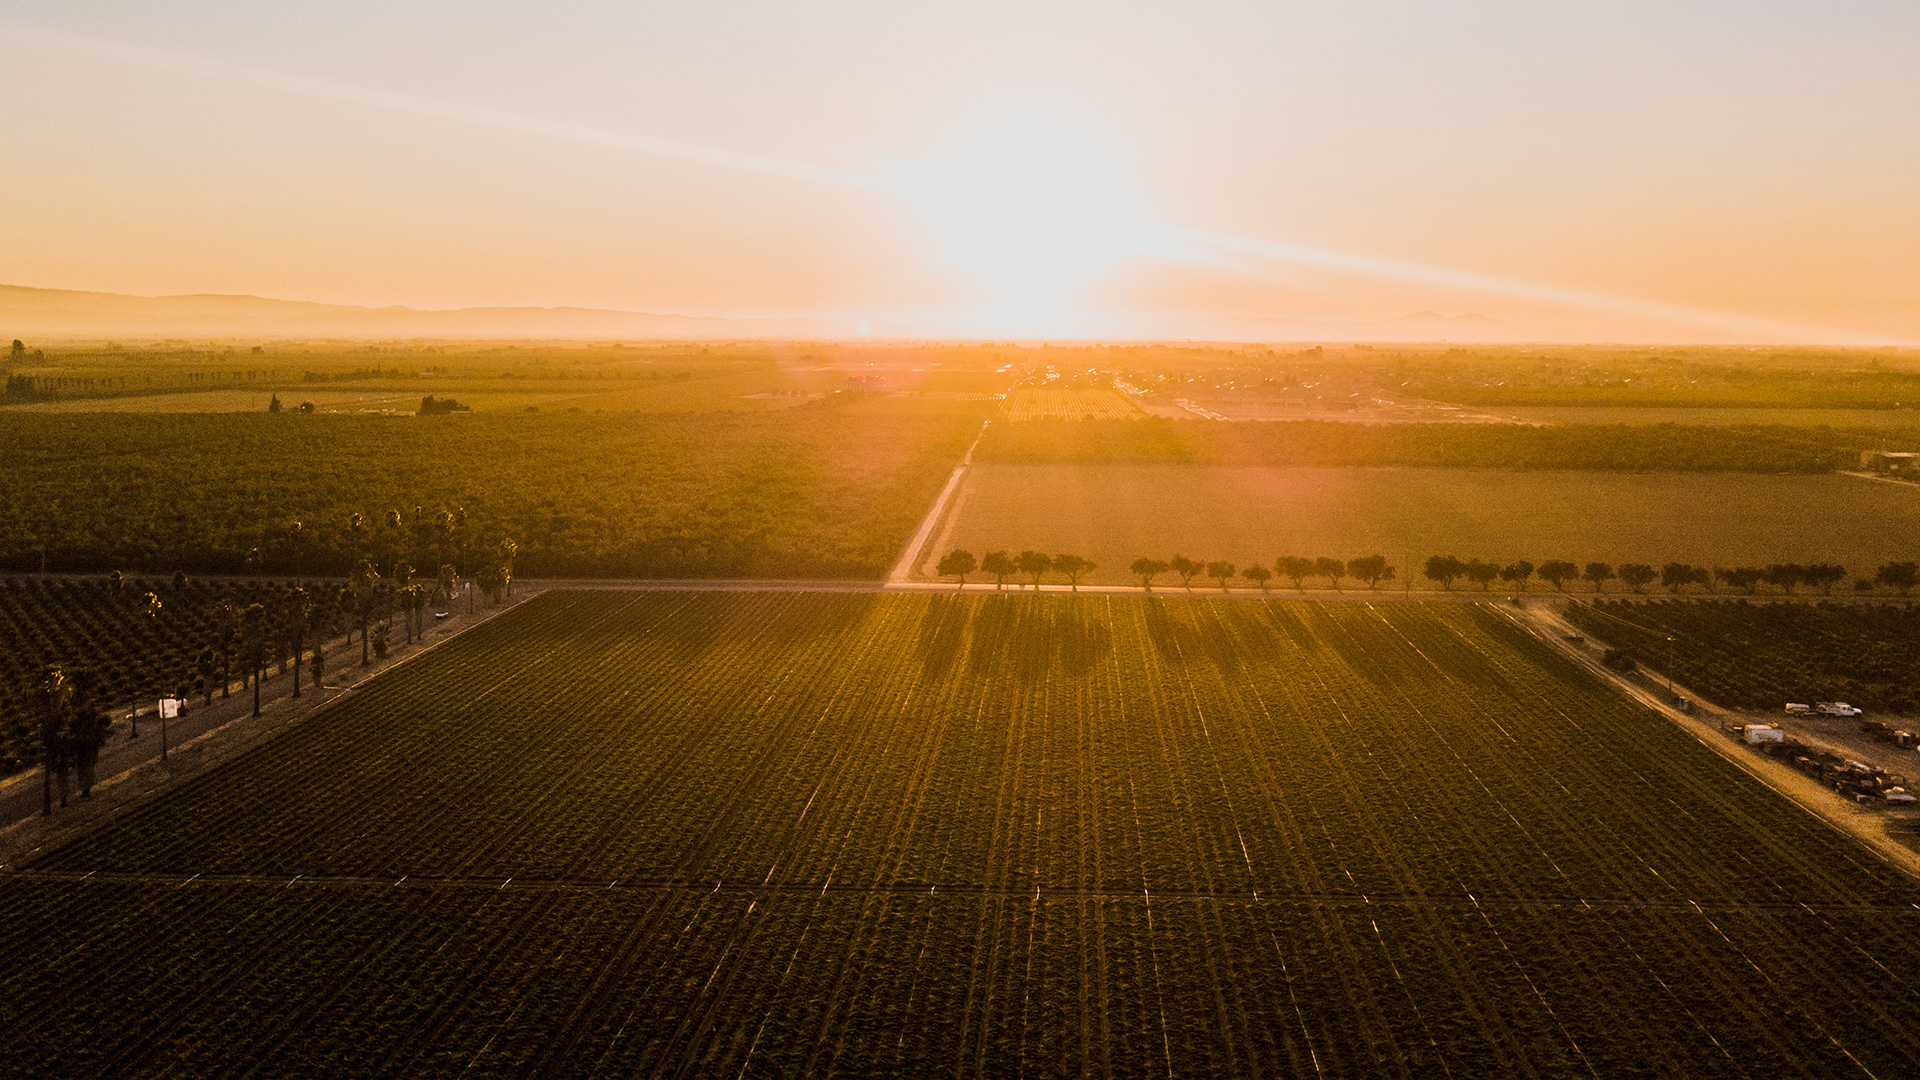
(1755, 734)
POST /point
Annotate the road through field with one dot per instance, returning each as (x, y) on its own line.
(201, 738)
(903, 568)
(1888, 833)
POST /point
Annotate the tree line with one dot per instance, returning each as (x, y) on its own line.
(1674, 576)
(1001, 565)
(1443, 570)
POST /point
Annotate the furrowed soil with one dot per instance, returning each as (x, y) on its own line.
(1114, 514)
(808, 834)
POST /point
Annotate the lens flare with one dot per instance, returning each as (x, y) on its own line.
(1033, 210)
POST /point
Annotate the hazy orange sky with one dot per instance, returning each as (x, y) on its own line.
(1702, 171)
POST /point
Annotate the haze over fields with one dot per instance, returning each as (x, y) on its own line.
(1633, 171)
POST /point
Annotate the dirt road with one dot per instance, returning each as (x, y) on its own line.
(1892, 834)
(202, 737)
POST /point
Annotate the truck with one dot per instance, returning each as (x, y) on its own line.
(1835, 708)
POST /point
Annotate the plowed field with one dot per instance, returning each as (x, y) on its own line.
(858, 834)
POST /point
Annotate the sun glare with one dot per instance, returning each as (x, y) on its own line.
(1033, 211)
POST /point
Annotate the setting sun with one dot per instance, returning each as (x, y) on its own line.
(1032, 210)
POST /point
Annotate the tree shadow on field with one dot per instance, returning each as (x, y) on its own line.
(1031, 636)
(1283, 616)
(1173, 637)
(1196, 633)
(1031, 643)
(1257, 630)
(989, 635)
(1081, 642)
(943, 635)
(816, 615)
(1216, 640)
(1440, 650)
(1368, 649)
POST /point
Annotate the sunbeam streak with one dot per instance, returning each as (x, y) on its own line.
(1016, 227)
(1198, 243)
(421, 105)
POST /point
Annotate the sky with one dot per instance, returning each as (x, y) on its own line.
(1710, 171)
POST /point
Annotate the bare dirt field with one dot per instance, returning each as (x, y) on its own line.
(1114, 514)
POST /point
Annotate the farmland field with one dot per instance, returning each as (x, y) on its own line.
(1042, 403)
(824, 489)
(1758, 656)
(1114, 514)
(1905, 422)
(802, 834)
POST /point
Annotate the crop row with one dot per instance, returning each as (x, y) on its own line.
(1100, 744)
(426, 981)
(980, 834)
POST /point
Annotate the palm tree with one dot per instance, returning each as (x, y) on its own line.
(148, 618)
(293, 549)
(357, 534)
(226, 616)
(253, 636)
(204, 666)
(363, 584)
(298, 610)
(394, 540)
(443, 535)
(508, 549)
(55, 694)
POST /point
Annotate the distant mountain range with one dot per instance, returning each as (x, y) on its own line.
(29, 314)
(58, 313)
